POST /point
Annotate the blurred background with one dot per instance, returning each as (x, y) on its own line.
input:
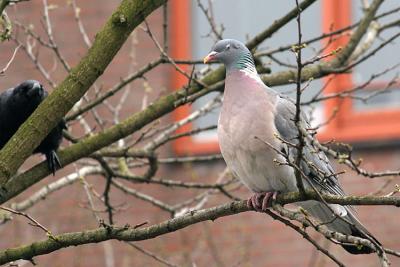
(367, 118)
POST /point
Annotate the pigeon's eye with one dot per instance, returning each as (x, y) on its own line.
(227, 47)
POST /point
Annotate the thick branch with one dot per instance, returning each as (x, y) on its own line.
(324, 68)
(345, 54)
(109, 40)
(128, 233)
(342, 200)
(5, 3)
(165, 105)
(125, 233)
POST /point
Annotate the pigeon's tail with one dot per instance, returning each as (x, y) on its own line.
(53, 162)
(324, 214)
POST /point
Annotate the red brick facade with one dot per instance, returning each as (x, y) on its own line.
(248, 239)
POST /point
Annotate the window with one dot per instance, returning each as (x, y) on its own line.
(180, 29)
(378, 118)
(356, 121)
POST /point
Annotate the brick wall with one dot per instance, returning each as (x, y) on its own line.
(248, 239)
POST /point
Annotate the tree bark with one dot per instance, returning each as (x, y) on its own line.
(108, 41)
(129, 233)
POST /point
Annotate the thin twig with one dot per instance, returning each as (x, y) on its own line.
(152, 255)
(10, 61)
(33, 222)
(297, 118)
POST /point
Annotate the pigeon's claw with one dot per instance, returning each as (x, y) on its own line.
(261, 201)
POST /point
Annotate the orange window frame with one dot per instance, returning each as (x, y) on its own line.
(346, 126)
(180, 48)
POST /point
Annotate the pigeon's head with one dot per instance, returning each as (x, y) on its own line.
(232, 53)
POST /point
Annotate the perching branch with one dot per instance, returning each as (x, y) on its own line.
(129, 233)
(128, 146)
(169, 102)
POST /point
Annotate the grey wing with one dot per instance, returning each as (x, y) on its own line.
(315, 164)
(324, 179)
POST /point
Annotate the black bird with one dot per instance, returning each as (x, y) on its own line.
(16, 105)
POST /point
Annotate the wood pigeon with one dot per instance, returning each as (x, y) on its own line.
(252, 116)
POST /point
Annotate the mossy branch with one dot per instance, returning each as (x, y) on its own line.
(21, 182)
(108, 41)
(129, 233)
(3, 5)
(168, 103)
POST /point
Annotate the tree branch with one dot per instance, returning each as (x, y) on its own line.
(109, 40)
(5, 3)
(129, 233)
(166, 104)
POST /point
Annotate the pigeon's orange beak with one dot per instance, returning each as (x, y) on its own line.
(210, 57)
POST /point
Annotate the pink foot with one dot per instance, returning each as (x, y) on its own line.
(261, 201)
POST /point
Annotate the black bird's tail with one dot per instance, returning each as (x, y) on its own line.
(53, 162)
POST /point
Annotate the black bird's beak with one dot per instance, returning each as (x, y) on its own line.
(36, 90)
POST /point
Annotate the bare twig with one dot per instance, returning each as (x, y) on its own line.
(142, 196)
(297, 118)
(82, 30)
(10, 61)
(306, 236)
(33, 222)
(208, 13)
(42, 193)
(152, 255)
